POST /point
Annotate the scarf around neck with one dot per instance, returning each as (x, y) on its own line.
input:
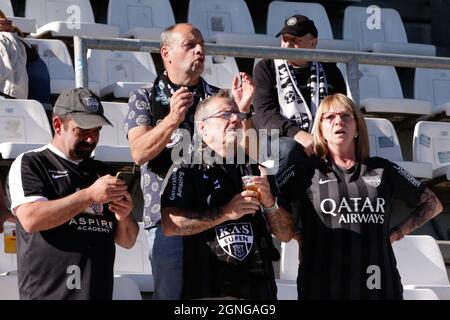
(161, 92)
(292, 103)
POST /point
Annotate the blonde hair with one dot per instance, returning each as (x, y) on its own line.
(341, 102)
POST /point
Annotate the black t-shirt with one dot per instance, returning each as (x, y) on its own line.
(233, 259)
(74, 260)
(344, 217)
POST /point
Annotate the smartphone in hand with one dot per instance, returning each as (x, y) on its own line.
(127, 177)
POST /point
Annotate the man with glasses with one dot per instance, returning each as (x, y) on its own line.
(228, 250)
(288, 92)
(155, 124)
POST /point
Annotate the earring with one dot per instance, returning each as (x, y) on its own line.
(356, 135)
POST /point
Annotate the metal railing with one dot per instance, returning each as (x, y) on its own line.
(351, 58)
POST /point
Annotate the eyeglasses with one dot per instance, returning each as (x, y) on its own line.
(226, 115)
(331, 116)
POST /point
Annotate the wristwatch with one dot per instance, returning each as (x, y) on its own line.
(271, 209)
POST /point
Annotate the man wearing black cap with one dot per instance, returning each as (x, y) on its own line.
(288, 93)
(70, 210)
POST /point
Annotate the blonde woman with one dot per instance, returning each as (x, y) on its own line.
(344, 198)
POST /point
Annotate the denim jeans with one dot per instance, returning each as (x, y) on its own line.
(166, 257)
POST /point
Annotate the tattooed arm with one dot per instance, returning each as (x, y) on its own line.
(429, 207)
(281, 224)
(177, 221)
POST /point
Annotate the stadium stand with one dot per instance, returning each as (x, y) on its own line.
(10, 288)
(388, 36)
(421, 266)
(384, 143)
(382, 95)
(227, 22)
(59, 63)
(220, 71)
(113, 145)
(433, 85)
(140, 19)
(125, 289)
(118, 73)
(381, 92)
(134, 263)
(25, 25)
(432, 145)
(61, 18)
(280, 10)
(24, 126)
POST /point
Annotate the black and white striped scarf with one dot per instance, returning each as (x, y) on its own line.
(290, 98)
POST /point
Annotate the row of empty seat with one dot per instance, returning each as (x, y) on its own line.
(364, 28)
(116, 73)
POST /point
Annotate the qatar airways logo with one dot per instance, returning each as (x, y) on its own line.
(355, 210)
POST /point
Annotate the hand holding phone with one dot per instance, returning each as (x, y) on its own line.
(127, 177)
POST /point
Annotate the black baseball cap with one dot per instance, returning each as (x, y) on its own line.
(83, 106)
(298, 26)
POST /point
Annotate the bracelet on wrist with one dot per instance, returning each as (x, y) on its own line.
(271, 209)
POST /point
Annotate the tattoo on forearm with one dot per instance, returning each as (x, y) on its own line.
(424, 212)
(197, 221)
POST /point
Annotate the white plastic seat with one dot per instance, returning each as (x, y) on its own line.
(384, 142)
(431, 144)
(433, 85)
(360, 24)
(59, 63)
(287, 289)
(113, 145)
(141, 19)
(23, 126)
(6, 7)
(380, 91)
(287, 284)
(410, 293)
(119, 72)
(246, 39)
(64, 18)
(125, 289)
(24, 24)
(280, 10)
(289, 260)
(134, 263)
(8, 261)
(231, 17)
(421, 266)
(9, 286)
(220, 71)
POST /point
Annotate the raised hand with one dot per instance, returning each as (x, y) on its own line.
(243, 94)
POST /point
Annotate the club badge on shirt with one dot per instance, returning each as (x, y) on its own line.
(236, 239)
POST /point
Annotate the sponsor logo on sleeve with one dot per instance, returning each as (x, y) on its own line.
(408, 176)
